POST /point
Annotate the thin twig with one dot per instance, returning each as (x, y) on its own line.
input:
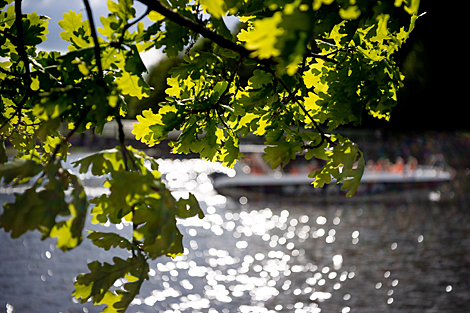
(129, 25)
(323, 57)
(230, 81)
(291, 95)
(134, 228)
(70, 134)
(122, 141)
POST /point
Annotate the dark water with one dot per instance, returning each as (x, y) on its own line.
(273, 255)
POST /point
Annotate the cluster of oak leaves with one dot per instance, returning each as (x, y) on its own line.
(311, 65)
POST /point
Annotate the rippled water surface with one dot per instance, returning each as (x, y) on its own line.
(274, 255)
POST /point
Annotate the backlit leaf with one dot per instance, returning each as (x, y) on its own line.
(262, 36)
(214, 7)
(132, 85)
(96, 284)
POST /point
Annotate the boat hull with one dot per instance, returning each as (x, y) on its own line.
(421, 185)
(383, 192)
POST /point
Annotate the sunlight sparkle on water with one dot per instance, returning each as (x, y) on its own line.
(9, 308)
(321, 220)
(251, 256)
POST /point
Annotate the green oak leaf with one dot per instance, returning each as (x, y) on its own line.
(19, 170)
(133, 85)
(96, 284)
(103, 162)
(282, 153)
(188, 207)
(109, 240)
(214, 7)
(261, 37)
(69, 232)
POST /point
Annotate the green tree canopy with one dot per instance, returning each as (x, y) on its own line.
(316, 65)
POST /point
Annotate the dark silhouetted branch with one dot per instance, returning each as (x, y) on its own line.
(221, 41)
(195, 27)
(97, 49)
(20, 41)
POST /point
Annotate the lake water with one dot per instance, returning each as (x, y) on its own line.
(270, 255)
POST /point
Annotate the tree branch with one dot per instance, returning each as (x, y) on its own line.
(20, 41)
(97, 48)
(190, 24)
(155, 5)
(23, 55)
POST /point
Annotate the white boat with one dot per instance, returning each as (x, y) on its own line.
(252, 176)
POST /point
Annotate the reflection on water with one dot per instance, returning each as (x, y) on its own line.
(274, 255)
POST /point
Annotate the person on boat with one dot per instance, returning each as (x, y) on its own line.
(251, 165)
(294, 170)
(411, 164)
(313, 166)
(379, 165)
(387, 165)
(369, 165)
(399, 166)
